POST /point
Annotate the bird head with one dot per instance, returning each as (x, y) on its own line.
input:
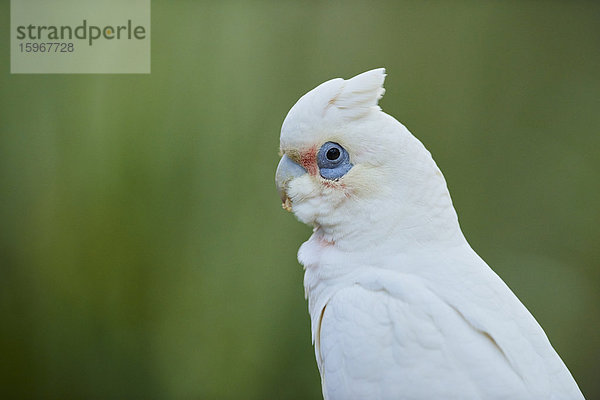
(347, 166)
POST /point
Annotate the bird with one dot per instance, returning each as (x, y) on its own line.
(401, 306)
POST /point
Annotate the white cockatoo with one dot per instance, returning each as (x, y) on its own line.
(401, 307)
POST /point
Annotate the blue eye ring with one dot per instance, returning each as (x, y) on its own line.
(333, 161)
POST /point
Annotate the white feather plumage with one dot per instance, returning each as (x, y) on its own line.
(401, 306)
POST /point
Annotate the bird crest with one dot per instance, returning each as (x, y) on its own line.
(361, 93)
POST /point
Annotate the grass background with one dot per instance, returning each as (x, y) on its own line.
(143, 250)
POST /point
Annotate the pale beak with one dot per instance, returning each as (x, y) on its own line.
(286, 171)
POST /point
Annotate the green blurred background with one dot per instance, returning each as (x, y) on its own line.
(143, 249)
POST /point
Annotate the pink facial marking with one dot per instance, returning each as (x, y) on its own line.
(308, 160)
(334, 184)
(326, 243)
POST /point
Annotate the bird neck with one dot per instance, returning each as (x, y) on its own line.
(417, 213)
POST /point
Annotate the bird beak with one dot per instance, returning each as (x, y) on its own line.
(286, 171)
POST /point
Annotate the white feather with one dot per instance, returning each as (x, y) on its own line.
(401, 306)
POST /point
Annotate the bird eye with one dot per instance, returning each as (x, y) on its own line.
(333, 161)
(333, 154)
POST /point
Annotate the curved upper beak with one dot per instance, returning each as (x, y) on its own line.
(286, 171)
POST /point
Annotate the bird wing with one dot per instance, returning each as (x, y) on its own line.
(488, 305)
(394, 335)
